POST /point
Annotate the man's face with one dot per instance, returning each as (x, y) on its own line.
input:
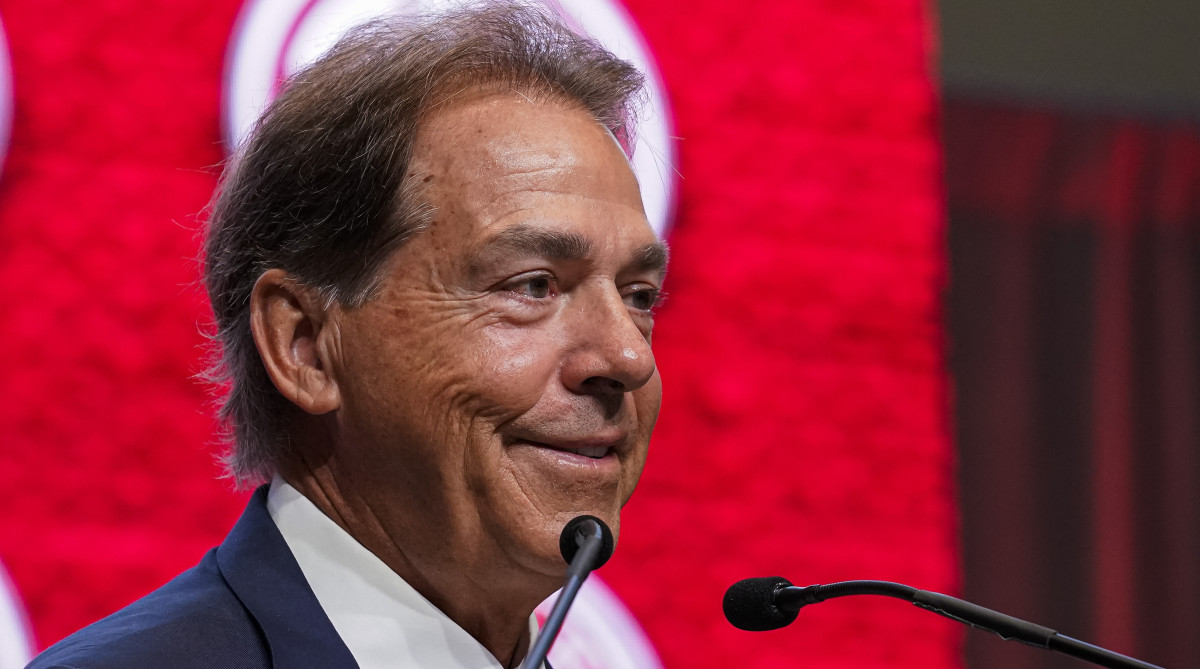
(502, 381)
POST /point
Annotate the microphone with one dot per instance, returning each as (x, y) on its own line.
(578, 532)
(750, 604)
(586, 544)
(761, 604)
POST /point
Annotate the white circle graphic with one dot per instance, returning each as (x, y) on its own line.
(599, 632)
(16, 643)
(275, 38)
(6, 96)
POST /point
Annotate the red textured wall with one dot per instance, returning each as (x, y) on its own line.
(804, 429)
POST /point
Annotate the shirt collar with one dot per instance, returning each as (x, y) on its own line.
(380, 617)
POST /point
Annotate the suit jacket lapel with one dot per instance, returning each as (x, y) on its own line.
(260, 569)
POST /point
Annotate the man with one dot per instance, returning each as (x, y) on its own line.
(433, 284)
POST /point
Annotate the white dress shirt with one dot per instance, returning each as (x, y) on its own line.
(382, 620)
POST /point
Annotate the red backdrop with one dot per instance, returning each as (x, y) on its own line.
(804, 430)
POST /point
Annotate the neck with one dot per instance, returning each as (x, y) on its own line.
(491, 604)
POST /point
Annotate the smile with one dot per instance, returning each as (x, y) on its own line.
(592, 455)
(594, 452)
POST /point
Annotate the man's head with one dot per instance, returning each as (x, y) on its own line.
(433, 281)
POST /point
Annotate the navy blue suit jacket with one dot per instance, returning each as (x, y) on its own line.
(245, 606)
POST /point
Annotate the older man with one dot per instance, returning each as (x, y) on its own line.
(434, 287)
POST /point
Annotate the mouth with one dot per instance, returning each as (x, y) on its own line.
(584, 475)
(593, 452)
(596, 453)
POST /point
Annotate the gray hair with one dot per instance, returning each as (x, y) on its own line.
(320, 189)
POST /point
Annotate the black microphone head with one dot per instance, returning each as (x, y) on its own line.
(750, 604)
(580, 528)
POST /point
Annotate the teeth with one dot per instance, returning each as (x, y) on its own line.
(593, 452)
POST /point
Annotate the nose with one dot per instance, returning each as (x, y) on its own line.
(608, 353)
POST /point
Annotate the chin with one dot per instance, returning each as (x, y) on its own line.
(537, 540)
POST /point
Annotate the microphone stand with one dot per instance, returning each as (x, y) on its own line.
(585, 536)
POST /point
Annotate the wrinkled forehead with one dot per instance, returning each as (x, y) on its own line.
(512, 137)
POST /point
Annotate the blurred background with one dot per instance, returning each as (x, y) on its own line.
(933, 317)
(1073, 181)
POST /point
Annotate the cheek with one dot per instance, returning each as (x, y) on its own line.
(647, 401)
(518, 365)
(452, 367)
(396, 367)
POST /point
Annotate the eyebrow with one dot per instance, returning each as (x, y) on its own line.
(549, 244)
(558, 245)
(652, 258)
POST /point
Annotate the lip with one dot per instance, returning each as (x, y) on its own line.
(610, 443)
(573, 454)
(590, 449)
(566, 462)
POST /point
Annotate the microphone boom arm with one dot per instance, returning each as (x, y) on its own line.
(790, 598)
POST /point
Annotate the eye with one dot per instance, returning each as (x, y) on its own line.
(536, 286)
(643, 297)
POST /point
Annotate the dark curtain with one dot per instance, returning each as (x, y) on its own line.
(1075, 346)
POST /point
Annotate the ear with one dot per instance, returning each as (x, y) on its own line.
(287, 320)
